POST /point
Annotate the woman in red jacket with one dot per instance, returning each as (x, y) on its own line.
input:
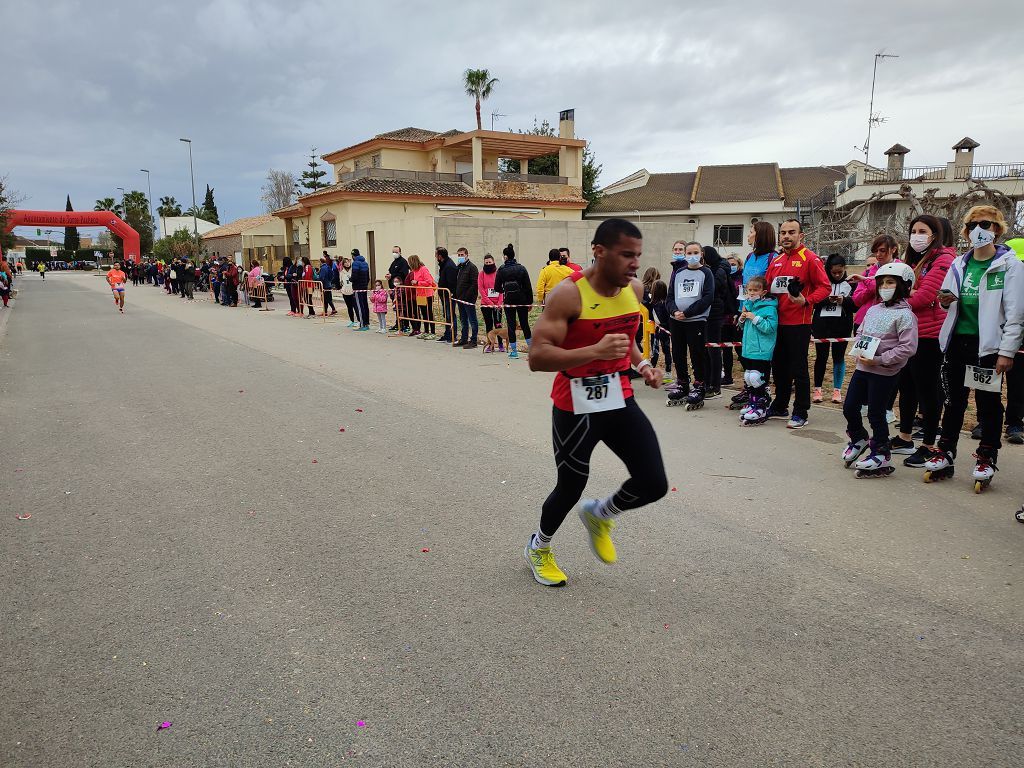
(920, 385)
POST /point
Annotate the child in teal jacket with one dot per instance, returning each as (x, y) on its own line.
(760, 319)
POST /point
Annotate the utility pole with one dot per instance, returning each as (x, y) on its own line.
(874, 119)
(494, 115)
(195, 226)
(149, 188)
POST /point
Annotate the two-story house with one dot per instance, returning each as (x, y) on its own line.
(418, 189)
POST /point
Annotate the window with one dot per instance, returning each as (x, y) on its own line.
(330, 234)
(375, 160)
(295, 235)
(728, 234)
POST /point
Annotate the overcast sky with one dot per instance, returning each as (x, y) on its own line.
(97, 91)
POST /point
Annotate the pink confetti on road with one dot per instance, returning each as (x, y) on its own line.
(164, 725)
(315, 461)
(674, 488)
(23, 516)
(359, 410)
(424, 550)
(341, 429)
(360, 724)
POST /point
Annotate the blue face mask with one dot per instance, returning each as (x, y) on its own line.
(461, 259)
(734, 269)
(693, 259)
(678, 257)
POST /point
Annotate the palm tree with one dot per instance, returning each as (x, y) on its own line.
(478, 84)
(168, 207)
(109, 204)
(195, 210)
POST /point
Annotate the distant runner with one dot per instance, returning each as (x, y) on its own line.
(42, 270)
(586, 335)
(117, 279)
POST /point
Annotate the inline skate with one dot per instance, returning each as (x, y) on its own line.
(878, 463)
(854, 450)
(739, 401)
(695, 399)
(677, 393)
(985, 467)
(939, 465)
(755, 413)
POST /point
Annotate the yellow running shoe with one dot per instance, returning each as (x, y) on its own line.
(599, 530)
(542, 563)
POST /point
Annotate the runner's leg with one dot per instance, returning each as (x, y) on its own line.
(631, 437)
(574, 438)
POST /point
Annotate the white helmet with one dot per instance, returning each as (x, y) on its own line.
(896, 269)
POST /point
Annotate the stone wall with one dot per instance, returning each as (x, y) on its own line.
(223, 246)
(523, 190)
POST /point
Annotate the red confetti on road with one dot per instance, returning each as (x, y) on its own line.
(315, 461)
(341, 429)
(23, 516)
(241, 391)
(359, 410)
(674, 488)
(424, 550)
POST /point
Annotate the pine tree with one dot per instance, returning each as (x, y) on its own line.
(71, 240)
(210, 207)
(310, 180)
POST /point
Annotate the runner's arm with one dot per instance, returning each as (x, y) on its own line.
(546, 353)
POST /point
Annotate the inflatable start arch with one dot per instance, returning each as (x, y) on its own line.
(80, 219)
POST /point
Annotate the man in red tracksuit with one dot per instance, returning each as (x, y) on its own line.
(796, 277)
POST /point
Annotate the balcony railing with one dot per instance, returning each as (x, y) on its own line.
(943, 173)
(394, 173)
(530, 178)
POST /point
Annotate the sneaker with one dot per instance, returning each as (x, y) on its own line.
(976, 433)
(774, 413)
(352, 325)
(918, 457)
(513, 354)
(599, 530)
(837, 396)
(470, 345)
(797, 422)
(363, 328)
(542, 563)
(817, 397)
(899, 445)
(442, 340)
(1015, 435)
(890, 417)
(712, 394)
(727, 382)
(918, 434)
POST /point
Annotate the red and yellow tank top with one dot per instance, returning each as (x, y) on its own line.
(599, 315)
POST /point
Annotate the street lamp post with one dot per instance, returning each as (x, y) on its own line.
(191, 173)
(124, 203)
(149, 187)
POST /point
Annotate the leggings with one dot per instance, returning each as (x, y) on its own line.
(821, 351)
(920, 388)
(293, 297)
(789, 369)
(350, 305)
(629, 435)
(714, 354)
(427, 314)
(1014, 392)
(961, 352)
(873, 390)
(689, 337)
(523, 314)
(492, 317)
(661, 338)
(764, 367)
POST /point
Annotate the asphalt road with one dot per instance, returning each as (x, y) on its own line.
(206, 547)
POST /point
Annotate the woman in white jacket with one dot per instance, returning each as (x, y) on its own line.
(984, 295)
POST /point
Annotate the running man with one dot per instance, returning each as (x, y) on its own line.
(585, 334)
(42, 270)
(117, 279)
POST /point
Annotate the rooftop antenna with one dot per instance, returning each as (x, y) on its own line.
(494, 115)
(873, 118)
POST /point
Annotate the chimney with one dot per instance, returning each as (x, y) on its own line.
(567, 124)
(964, 157)
(896, 153)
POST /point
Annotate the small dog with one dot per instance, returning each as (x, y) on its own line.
(497, 341)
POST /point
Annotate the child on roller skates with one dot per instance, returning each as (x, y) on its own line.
(660, 340)
(886, 340)
(691, 290)
(759, 319)
(984, 294)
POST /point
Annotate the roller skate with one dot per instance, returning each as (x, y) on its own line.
(739, 401)
(939, 465)
(985, 467)
(1019, 514)
(677, 393)
(854, 450)
(755, 413)
(695, 400)
(878, 463)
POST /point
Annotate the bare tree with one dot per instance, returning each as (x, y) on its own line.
(279, 191)
(9, 199)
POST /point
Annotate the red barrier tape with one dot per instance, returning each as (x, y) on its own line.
(718, 345)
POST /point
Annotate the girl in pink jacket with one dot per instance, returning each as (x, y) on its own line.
(379, 297)
(885, 249)
(490, 299)
(920, 383)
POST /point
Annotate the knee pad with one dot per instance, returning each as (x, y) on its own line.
(753, 379)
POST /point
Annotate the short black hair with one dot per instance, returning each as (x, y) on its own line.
(553, 254)
(610, 230)
(441, 251)
(799, 226)
(563, 248)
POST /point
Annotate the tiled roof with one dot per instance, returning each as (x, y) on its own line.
(966, 143)
(238, 226)
(289, 208)
(896, 149)
(662, 192)
(803, 183)
(406, 187)
(408, 134)
(737, 183)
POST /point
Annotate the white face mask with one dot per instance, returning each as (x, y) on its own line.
(692, 259)
(920, 242)
(981, 237)
(886, 294)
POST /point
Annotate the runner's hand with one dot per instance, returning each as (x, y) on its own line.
(612, 347)
(1003, 364)
(652, 376)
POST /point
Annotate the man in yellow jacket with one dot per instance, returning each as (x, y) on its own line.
(551, 275)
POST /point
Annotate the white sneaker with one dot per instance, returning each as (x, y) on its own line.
(890, 417)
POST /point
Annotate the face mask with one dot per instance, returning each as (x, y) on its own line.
(692, 260)
(734, 269)
(886, 294)
(920, 242)
(981, 237)
(677, 257)
(460, 259)
(489, 268)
